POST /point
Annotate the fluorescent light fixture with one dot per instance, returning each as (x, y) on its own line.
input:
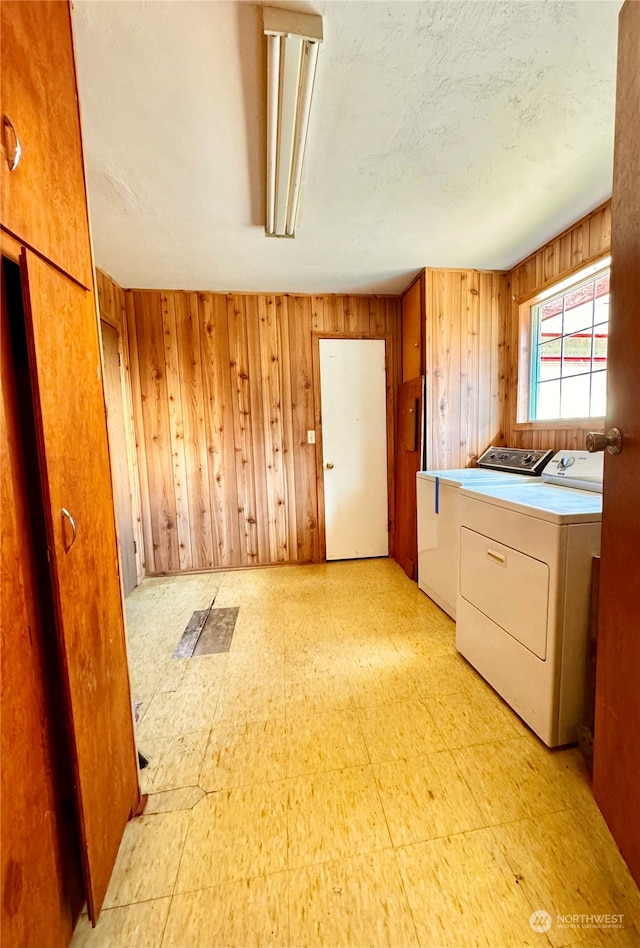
(292, 53)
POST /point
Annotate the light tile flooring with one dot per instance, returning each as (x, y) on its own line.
(343, 778)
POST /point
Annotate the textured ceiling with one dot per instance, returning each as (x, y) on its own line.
(442, 133)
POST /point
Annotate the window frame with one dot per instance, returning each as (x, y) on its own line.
(525, 377)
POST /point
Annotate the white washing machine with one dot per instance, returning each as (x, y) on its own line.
(526, 554)
(438, 520)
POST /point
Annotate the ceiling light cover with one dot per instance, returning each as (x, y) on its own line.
(292, 53)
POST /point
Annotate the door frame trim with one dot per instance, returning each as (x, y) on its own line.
(389, 356)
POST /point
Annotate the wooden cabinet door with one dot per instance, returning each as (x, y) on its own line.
(413, 318)
(409, 449)
(62, 331)
(43, 200)
(616, 746)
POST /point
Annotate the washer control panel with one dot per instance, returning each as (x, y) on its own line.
(577, 469)
(515, 460)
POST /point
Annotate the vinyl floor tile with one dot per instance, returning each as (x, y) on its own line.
(328, 741)
(521, 777)
(334, 815)
(569, 865)
(474, 717)
(399, 729)
(462, 894)
(133, 926)
(351, 903)
(312, 694)
(605, 938)
(179, 712)
(425, 797)
(252, 913)
(235, 834)
(166, 801)
(148, 859)
(244, 701)
(173, 761)
(245, 754)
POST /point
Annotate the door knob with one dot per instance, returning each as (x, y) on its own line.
(612, 441)
(329, 466)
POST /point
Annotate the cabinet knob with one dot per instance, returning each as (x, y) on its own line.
(11, 143)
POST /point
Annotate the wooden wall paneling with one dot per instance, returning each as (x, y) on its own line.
(193, 429)
(219, 429)
(466, 362)
(285, 316)
(157, 431)
(264, 434)
(146, 549)
(172, 363)
(236, 407)
(376, 310)
(444, 370)
(301, 399)
(240, 384)
(580, 245)
(277, 459)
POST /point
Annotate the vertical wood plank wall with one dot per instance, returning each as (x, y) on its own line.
(223, 397)
(466, 364)
(582, 244)
(111, 307)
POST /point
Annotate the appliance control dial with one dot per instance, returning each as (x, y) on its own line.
(566, 462)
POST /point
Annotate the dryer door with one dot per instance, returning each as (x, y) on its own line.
(509, 587)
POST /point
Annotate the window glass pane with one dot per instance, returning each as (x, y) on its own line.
(570, 338)
(551, 327)
(578, 317)
(576, 354)
(600, 345)
(574, 400)
(580, 295)
(599, 394)
(548, 400)
(550, 360)
(601, 309)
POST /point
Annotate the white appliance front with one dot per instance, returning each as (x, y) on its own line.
(439, 527)
(524, 592)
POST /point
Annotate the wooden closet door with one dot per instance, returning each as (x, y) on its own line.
(62, 331)
(35, 906)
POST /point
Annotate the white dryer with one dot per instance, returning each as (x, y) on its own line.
(526, 554)
(438, 514)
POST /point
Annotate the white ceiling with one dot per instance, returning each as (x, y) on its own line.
(442, 133)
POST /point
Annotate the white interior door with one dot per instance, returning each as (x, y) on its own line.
(353, 392)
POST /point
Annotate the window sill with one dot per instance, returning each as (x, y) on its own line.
(562, 423)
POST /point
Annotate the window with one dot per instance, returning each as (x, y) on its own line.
(569, 334)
